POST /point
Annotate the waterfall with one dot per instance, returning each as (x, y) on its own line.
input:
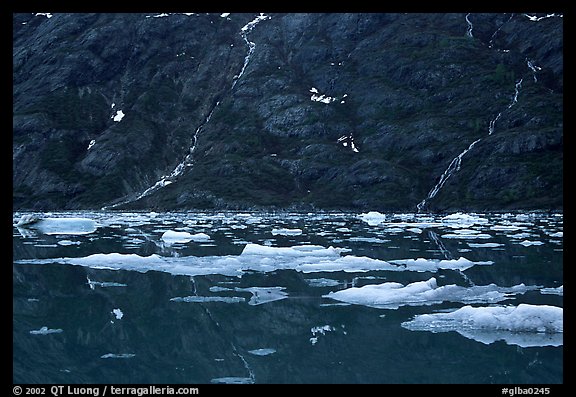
(188, 159)
(251, 45)
(455, 164)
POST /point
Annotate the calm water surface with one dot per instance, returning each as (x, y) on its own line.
(115, 297)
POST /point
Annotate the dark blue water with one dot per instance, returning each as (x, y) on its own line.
(110, 298)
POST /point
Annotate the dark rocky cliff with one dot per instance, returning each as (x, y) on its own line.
(331, 111)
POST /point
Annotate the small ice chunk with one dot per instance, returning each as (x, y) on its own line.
(233, 380)
(28, 219)
(204, 299)
(484, 245)
(262, 352)
(320, 330)
(68, 242)
(527, 243)
(321, 282)
(118, 313)
(553, 291)
(286, 232)
(121, 355)
(46, 331)
(224, 14)
(261, 295)
(119, 116)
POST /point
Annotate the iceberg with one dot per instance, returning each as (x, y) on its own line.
(173, 237)
(392, 295)
(523, 325)
(373, 218)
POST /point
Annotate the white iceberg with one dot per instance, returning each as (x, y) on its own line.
(174, 237)
(523, 325)
(393, 295)
(373, 218)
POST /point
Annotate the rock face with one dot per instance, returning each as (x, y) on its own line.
(331, 111)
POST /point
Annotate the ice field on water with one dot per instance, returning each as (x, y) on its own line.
(230, 297)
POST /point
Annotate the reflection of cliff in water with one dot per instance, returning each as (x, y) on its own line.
(179, 342)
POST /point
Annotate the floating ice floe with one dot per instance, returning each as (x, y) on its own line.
(322, 282)
(484, 245)
(373, 218)
(255, 257)
(553, 291)
(46, 331)
(234, 380)
(393, 295)
(204, 299)
(68, 242)
(523, 325)
(433, 265)
(527, 243)
(286, 232)
(458, 220)
(103, 284)
(121, 355)
(175, 237)
(262, 352)
(261, 295)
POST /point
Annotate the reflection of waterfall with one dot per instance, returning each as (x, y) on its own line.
(455, 164)
(434, 237)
